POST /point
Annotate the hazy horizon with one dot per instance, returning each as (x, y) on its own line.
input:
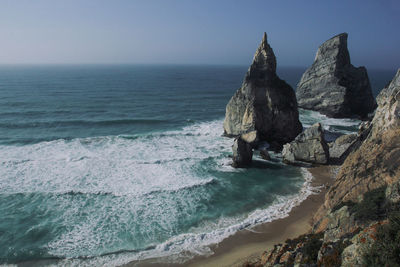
(193, 33)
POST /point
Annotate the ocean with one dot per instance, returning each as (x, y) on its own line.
(107, 164)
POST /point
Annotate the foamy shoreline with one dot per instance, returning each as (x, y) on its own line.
(250, 242)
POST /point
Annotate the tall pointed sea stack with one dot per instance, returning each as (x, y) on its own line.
(264, 103)
(333, 86)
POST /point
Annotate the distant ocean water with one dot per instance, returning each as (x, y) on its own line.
(109, 164)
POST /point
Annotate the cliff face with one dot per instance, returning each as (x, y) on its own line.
(376, 162)
(264, 103)
(333, 86)
(358, 223)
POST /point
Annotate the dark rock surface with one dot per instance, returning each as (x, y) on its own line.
(333, 86)
(342, 146)
(309, 146)
(265, 154)
(242, 153)
(264, 103)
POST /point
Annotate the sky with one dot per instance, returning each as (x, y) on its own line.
(195, 32)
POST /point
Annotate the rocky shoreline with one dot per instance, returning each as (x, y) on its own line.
(362, 205)
(265, 108)
(345, 223)
(248, 244)
(349, 225)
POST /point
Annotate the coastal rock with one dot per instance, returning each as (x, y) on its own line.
(264, 154)
(294, 252)
(342, 146)
(392, 192)
(353, 254)
(376, 162)
(364, 197)
(340, 223)
(333, 86)
(330, 253)
(387, 115)
(264, 103)
(309, 146)
(242, 153)
(250, 137)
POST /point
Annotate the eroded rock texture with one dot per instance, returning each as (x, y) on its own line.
(309, 146)
(242, 153)
(264, 103)
(333, 86)
(376, 162)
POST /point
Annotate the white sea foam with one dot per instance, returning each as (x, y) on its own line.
(309, 117)
(115, 165)
(133, 168)
(183, 247)
(129, 167)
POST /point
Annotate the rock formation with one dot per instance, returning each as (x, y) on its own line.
(250, 138)
(333, 86)
(359, 218)
(264, 103)
(342, 146)
(242, 153)
(309, 146)
(265, 154)
(368, 169)
(376, 162)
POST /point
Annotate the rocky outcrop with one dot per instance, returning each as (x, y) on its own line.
(376, 162)
(359, 220)
(342, 146)
(333, 86)
(250, 138)
(264, 103)
(242, 153)
(339, 223)
(309, 146)
(352, 255)
(265, 154)
(387, 115)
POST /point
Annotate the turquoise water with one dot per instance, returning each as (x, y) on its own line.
(109, 164)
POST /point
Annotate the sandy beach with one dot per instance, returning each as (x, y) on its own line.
(248, 245)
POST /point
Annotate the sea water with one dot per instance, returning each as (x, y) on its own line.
(103, 165)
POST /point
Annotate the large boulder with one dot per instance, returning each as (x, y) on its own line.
(333, 86)
(309, 146)
(342, 146)
(264, 103)
(242, 153)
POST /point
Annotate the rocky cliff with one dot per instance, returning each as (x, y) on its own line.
(359, 221)
(264, 103)
(377, 161)
(333, 86)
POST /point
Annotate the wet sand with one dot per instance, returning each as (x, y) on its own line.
(248, 245)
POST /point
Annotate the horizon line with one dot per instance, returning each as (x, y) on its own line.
(161, 64)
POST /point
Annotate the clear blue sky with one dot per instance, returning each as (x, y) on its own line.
(195, 32)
